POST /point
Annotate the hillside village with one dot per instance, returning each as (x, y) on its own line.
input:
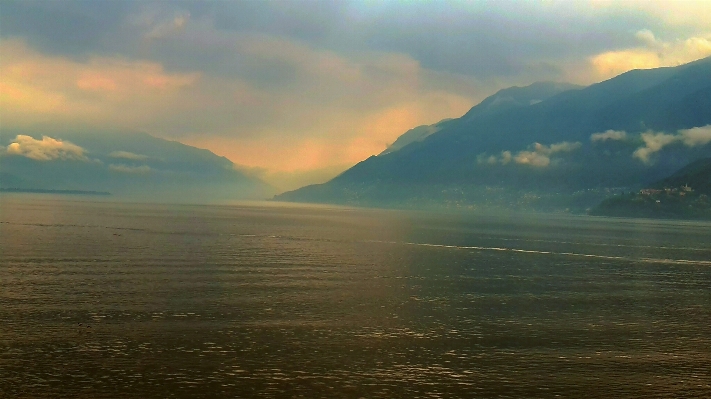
(667, 202)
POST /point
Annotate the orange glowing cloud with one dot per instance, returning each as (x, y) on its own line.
(652, 53)
(339, 112)
(94, 82)
(336, 111)
(47, 149)
(43, 89)
(346, 140)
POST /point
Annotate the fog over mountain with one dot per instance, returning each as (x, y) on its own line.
(545, 146)
(126, 164)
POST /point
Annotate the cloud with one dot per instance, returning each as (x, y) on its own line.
(41, 89)
(651, 53)
(169, 28)
(539, 155)
(655, 142)
(564, 146)
(47, 149)
(532, 158)
(127, 155)
(121, 168)
(670, 14)
(473, 38)
(291, 180)
(613, 63)
(487, 159)
(506, 157)
(323, 110)
(646, 36)
(313, 85)
(613, 135)
(696, 136)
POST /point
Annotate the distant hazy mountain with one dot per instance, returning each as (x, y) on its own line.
(134, 165)
(543, 146)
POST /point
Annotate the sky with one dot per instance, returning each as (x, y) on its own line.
(297, 91)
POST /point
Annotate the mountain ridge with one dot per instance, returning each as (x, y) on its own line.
(683, 195)
(483, 149)
(127, 164)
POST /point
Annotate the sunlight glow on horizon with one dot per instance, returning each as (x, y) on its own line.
(292, 100)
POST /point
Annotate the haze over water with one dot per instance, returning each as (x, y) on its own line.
(270, 300)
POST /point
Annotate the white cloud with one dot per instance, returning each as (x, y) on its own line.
(564, 146)
(539, 155)
(47, 149)
(143, 169)
(127, 155)
(696, 136)
(654, 142)
(614, 135)
(532, 158)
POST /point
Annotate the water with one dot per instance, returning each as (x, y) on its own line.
(110, 300)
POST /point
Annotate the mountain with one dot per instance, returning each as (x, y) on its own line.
(518, 97)
(513, 97)
(696, 175)
(683, 195)
(415, 134)
(567, 149)
(126, 164)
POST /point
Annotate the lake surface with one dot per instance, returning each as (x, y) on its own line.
(118, 300)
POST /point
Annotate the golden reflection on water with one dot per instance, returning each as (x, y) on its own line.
(109, 300)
